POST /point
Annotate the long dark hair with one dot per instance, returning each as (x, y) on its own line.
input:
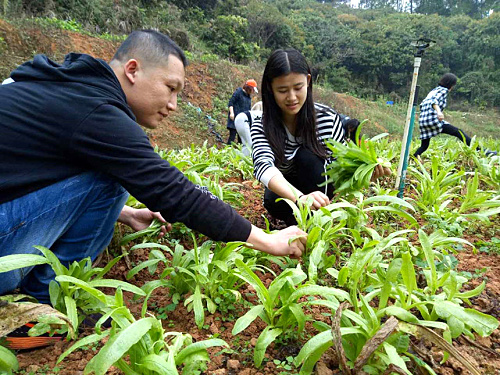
(280, 63)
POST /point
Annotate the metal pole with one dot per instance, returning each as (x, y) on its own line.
(408, 144)
(403, 159)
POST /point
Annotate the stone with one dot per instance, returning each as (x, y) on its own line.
(233, 364)
(322, 369)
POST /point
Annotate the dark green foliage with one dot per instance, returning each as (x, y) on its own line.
(227, 35)
(363, 51)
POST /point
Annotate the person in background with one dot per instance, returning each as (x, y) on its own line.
(431, 120)
(350, 126)
(240, 101)
(243, 123)
(257, 106)
(289, 150)
(72, 150)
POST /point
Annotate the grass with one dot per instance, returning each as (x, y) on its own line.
(391, 119)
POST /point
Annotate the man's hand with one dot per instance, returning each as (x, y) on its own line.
(319, 199)
(277, 243)
(440, 116)
(139, 219)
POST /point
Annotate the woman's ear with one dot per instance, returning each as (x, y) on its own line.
(308, 79)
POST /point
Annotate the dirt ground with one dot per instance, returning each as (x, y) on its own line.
(485, 352)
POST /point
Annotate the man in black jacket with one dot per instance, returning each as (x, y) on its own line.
(72, 150)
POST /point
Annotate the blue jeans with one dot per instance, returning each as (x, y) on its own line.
(74, 218)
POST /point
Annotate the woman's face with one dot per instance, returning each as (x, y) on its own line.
(290, 93)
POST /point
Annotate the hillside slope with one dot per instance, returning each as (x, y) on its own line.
(208, 87)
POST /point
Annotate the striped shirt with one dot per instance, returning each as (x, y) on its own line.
(328, 127)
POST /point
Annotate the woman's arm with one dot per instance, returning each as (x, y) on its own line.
(440, 114)
(280, 186)
(232, 101)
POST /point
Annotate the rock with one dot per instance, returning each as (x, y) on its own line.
(221, 371)
(233, 364)
(446, 371)
(485, 341)
(246, 371)
(253, 341)
(322, 369)
(214, 329)
(32, 369)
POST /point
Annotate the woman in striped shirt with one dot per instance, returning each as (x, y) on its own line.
(289, 152)
(289, 142)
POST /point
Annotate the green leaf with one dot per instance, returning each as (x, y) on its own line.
(456, 326)
(110, 265)
(71, 312)
(118, 346)
(316, 290)
(391, 277)
(299, 316)
(14, 262)
(342, 278)
(134, 271)
(399, 313)
(8, 360)
(55, 263)
(158, 364)
(196, 347)
(199, 315)
(250, 277)
(267, 336)
(483, 324)
(394, 357)
(244, 321)
(112, 283)
(408, 273)
(89, 340)
(85, 286)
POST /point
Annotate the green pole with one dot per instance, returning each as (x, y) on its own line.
(421, 45)
(408, 144)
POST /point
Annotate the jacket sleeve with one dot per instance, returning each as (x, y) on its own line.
(110, 142)
(234, 98)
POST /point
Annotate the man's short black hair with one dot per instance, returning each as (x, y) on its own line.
(448, 80)
(149, 46)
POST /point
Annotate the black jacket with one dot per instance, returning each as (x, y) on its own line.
(240, 101)
(57, 121)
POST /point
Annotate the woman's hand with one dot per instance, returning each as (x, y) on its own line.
(139, 219)
(380, 171)
(319, 199)
(440, 116)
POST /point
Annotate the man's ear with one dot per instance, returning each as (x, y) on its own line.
(130, 69)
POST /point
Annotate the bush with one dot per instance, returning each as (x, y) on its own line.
(227, 36)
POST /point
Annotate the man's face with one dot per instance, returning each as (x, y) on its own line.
(154, 90)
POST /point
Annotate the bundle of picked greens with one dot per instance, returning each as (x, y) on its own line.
(354, 164)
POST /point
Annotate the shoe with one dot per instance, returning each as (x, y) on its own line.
(490, 153)
(91, 320)
(20, 340)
